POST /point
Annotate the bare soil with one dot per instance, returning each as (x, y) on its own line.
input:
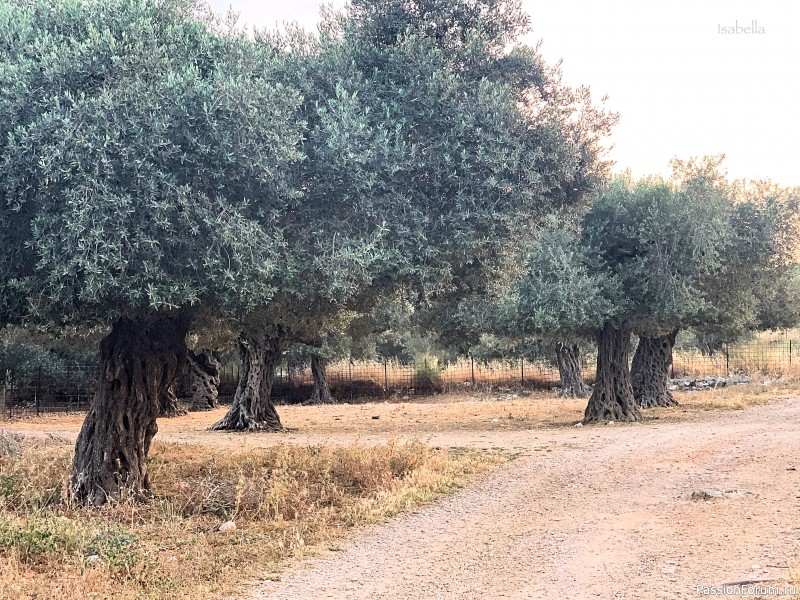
(590, 512)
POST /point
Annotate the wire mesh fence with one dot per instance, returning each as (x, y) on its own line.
(352, 380)
(70, 388)
(775, 357)
(62, 388)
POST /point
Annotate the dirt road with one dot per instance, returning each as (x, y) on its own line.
(589, 512)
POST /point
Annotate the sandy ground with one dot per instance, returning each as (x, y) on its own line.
(590, 512)
(584, 512)
(446, 419)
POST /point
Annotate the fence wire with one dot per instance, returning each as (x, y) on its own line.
(70, 388)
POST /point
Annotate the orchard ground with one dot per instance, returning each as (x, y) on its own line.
(538, 508)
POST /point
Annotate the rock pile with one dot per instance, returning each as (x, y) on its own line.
(707, 382)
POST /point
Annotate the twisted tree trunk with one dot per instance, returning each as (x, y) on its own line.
(612, 397)
(170, 407)
(203, 375)
(569, 368)
(321, 393)
(266, 415)
(139, 362)
(252, 408)
(650, 371)
(4, 393)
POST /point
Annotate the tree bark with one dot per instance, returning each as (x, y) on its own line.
(139, 362)
(650, 371)
(252, 408)
(321, 393)
(612, 396)
(203, 375)
(569, 368)
(3, 394)
(170, 407)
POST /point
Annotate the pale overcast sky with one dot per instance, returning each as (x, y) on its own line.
(682, 87)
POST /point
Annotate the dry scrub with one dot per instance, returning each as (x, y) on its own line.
(282, 499)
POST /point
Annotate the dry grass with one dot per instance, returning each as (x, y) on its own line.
(282, 499)
(10, 443)
(736, 397)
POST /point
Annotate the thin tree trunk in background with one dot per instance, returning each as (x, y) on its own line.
(139, 362)
(569, 368)
(267, 414)
(650, 371)
(170, 407)
(4, 394)
(321, 393)
(612, 396)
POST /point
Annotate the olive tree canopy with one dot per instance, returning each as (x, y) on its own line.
(144, 151)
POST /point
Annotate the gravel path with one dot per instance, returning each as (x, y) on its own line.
(589, 512)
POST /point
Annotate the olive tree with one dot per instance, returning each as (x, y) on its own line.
(636, 265)
(428, 155)
(753, 286)
(564, 296)
(495, 141)
(334, 227)
(145, 151)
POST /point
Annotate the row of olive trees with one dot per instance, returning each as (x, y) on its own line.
(165, 171)
(652, 257)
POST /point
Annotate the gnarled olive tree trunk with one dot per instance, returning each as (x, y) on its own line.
(612, 396)
(203, 374)
(569, 368)
(139, 361)
(170, 407)
(252, 408)
(321, 393)
(650, 371)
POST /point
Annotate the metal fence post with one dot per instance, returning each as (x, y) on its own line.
(790, 352)
(4, 393)
(522, 370)
(472, 368)
(37, 392)
(727, 358)
(385, 375)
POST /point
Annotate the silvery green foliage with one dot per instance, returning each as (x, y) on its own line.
(144, 161)
(695, 251)
(429, 154)
(478, 140)
(565, 289)
(486, 138)
(154, 158)
(757, 285)
(334, 228)
(641, 257)
(659, 240)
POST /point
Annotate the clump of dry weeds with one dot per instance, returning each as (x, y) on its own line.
(10, 443)
(282, 499)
